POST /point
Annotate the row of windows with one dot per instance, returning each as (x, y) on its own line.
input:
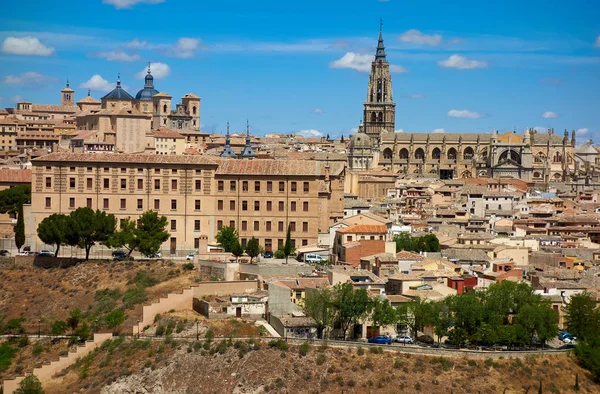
(269, 205)
(257, 186)
(124, 170)
(123, 204)
(123, 182)
(268, 226)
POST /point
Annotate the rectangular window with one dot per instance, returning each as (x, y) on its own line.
(306, 187)
(196, 243)
(257, 205)
(157, 171)
(244, 186)
(232, 205)
(140, 170)
(269, 205)
(304, 242)
(123, 170)
(269, 186)
(198, 172)
(140, 204)
(292, 226)
(232, 223)
(244, 205)
(140, 184)
(268, 226)
(279, 243)
(219, 224)
(293, 206)
(71, 202)
(197, 205)
(48, 182)
(173, 171)
(123, 183)
(173, 205)
(231, 186)
(294, 187)
(88, 183)
(256, 225)
(72, 169)
(88, 202)
(256, 186)
(72, 183)
(105, 203)
(305, 206)
(281, 187)
(157, 184)
(196, 225)
(281, 206)
(280, 227)
(220, 205)
(48, 202)
(198, 185)
(173, 225)
(220, 186)
(244, 242)
(244, 225)
(173, 184)
(305, 227)
(123, 203)
(106, 183)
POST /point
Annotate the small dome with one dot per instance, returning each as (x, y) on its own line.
(148, 91)
(118, 93)
(361, 140)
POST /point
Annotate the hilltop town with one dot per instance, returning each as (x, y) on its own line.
(126, 228)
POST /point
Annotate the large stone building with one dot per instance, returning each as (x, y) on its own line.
(532, 155)
(199, 195)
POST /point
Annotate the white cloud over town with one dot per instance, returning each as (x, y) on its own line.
(158, 70)
(121, 4)
(118, 55)
(549, 115)
(360, 62)
(463, 113)
(31, 46)
(96, 82)
(30, 79)
(462, 63)
(416, 37)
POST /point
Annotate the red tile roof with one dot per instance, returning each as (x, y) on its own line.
(364, 229)
(404, 255)
(15, 176)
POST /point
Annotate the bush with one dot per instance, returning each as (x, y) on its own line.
(360, 351)
(304, 349)
(14, 326)
(376, 349)
(279, 344)
(188, 266)
(59, 327)
(210, 334)
(23, 341)
(279, 254)
(133, 296)
(114, 318)
(321, 358)
(488, 362)
(160, 330)
(38, 349)
(30, 385)
(6, 354)
(144, 279)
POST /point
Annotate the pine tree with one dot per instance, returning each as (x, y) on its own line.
(20, 228)
(287, 248)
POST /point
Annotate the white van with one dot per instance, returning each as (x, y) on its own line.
(313, 258)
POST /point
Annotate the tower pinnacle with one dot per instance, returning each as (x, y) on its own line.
(380, 53)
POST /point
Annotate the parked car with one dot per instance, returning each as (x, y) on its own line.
(26, 253)
(404, 339)
(313, 258)
(190, 256)
(268, 254)
(381, 339)
(155, 256)
(563, 335)
(570, 340)
(120, 255)
(4, 252)
(425, 339)
(45, 253)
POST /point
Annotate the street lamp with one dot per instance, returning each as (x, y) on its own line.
(197, 332)
(39, 327)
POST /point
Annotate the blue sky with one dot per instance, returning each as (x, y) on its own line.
(460, 66)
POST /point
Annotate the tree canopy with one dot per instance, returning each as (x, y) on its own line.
(145, 235)
(424, 243)
(582, 319)
(252, 248)
(89, 227)
(53, 230)
(227, 237)
(11, 201)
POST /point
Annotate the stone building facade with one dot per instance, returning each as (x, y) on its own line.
(197, 194)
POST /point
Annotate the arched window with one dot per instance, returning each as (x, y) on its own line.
(435, 155)
(557, 157)
(540, 157)
(452, 154)
(379, 90)
(557, 176)
(381, 116)
(404, 154)
(484, 154)
(466, 174)
(537, 175)
(514, 156)
(419, 154)
(387, 153)
(165, 108)
(468, 153)
(194, 110)
(373, 117)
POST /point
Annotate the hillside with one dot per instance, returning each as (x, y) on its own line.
(255, 367)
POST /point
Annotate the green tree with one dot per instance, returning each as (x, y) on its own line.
(582, 319)
(417, 314)
(74, 318)
(53, 230)
(125, 237)
(318, 305)
(59, 327)
(383, 313)
(150, 233)
(252, 248)
(351, 305)
(114, 319)
(403, 241)
(89, 227)
(539, 319)
(20, 229)
(288, 249)
(236, 249)
(11, 201)
(227, 237)
(30, 385)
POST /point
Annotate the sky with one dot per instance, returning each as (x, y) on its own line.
(458, 66)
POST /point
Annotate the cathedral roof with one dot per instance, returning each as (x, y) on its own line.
(118, 93)
(361, 140)
(88, 99)
(148, 91)
(436, 137)
(380, 53)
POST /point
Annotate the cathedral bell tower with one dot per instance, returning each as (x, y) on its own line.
(379, 108)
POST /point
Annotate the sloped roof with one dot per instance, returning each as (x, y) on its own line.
(277, 167)
(167, 133)
(405, 255)
(364, 229)
(15, 176)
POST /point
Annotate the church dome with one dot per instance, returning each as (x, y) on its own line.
(118, 93)
(361, 140)
(148, 91)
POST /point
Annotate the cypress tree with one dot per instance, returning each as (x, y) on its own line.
(20, 228)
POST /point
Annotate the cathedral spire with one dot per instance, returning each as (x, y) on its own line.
(380, 53)
(227, 151)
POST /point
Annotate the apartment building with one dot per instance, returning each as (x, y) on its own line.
(199, 195)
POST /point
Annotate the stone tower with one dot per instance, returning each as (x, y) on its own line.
(67, 95)
(379, 108)
(191, 102)
(162, 109)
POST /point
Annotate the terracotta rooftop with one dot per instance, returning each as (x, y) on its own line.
(277, 167)
(124, 158)
(405, 255)
(167, 133)
(364, 229)
(15, 176)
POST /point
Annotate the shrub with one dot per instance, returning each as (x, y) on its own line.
(321, 358)
(417, 386)
(472, 363)
(133, 296)
(488, 362)
(376, 349)
(180, 326)
(304, 349)
(23, 341)
(397, 363)
(38, 349)
(279, 344)
(188, 266)
(59, 327)
(14, 326)
(210, 334)
(360, 351)
(160, 330)
(144, 279)
(279, 254)
(30, 385)
(6, 354)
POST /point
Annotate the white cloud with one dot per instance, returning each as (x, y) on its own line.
(184, 48)
(581, 131)
(26, 46)
(463, 113)
(29, 78)
(438, 131)
(461, 63)
(540, 129)
(597, 44)
(118, 55)
(416, 37)
(310, 133)
(136, 44)
(417, 96)
(318, 111)
(159, 70)
(120, 4)
(362, 63)
(549, 115)
(399, 131)
(96, 82)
